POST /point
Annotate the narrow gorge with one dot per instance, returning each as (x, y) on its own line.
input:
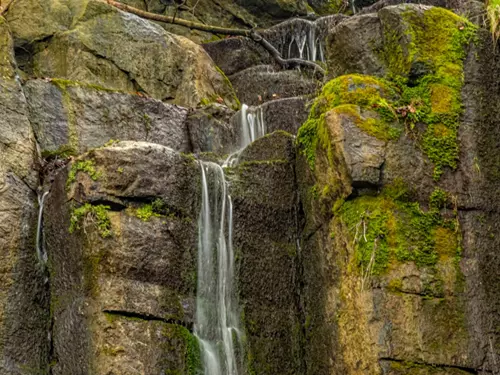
(249, 187)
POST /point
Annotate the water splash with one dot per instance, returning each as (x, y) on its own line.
(42, 256)
(217, 322)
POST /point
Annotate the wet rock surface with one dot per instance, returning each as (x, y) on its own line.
(129, 291)
(70, 116)
(354, 258)
(24, 318)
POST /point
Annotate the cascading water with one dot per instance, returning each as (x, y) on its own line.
(217, 323)
(252, 126)
(217, 315)
(42, 256)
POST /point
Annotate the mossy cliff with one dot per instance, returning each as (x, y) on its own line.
(385, 247)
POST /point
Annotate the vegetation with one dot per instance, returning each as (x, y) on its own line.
(387, 229)
(493, 12)
(429, 75)
(349, 95)
(90, 214)
(85, 166)
(423, 84)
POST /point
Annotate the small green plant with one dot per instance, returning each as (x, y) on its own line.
(89, 214)
(86, 166)
(157, 208)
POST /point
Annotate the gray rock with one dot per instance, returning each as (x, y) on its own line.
(260, 84)
(127, 300)
(117, 50)
(23, 293)
(264, 200)
(362, 153)
(77, 117)
(352, 44)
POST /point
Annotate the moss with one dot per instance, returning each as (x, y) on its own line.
(370, 125)
(145, 212)
(63, 84)
(63, 152)
(349, 95)
(191, 349)
(90, 214)
(438, 199)
(493, 13)
(237, 104)
(434, 41)
(85, 166)
(111, 142)
(385, 230)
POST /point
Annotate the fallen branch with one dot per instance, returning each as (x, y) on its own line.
(252, 34)
(4, 8)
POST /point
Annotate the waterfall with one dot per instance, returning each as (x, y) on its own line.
(252, 126)
(217, 324)
(217, 317)
(42, 256)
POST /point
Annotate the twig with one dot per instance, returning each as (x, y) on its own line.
(252, 34)
(4, 8)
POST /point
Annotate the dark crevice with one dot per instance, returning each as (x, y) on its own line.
(149, 317)
(432, 365)
(420, 294)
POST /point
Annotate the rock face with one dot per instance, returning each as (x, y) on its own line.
(123, 278)
(24, 317)
(265, 239)
(365, 223)
(225, 13)
(388, 278)
(95, 43)
(73, 117)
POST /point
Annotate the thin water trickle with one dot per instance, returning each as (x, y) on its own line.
(42, 257)
(217, 313)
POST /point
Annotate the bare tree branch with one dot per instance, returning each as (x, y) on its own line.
(252, 34)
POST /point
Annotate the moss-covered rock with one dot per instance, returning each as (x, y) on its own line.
(96, 43)
(391, 249)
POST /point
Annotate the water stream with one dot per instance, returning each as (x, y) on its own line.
(42, 256)
(217, 324)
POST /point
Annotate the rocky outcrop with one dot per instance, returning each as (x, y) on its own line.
(122, 247)
(92, 42)
(265, 239)
(71, 118)
(388, 281)
(24, 317)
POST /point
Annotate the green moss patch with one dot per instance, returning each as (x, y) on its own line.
(428, 71)
(348, 95)
(385, 230)
(90, 214)
(85, 166)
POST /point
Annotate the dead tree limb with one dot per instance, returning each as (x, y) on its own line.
(252, 34)
(4, 8)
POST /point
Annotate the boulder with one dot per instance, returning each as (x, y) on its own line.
(264, 199)
(107, 47)
(71, 117)
(263, 83)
